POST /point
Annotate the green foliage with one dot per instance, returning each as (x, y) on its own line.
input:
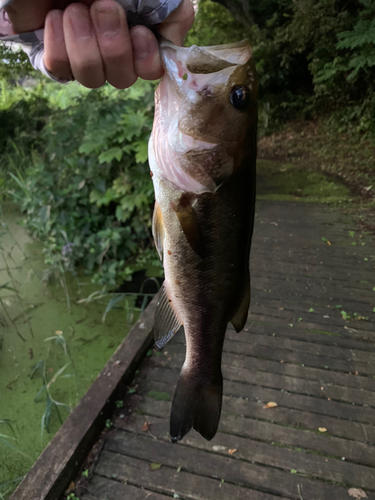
(14, 63)
(214, 26)
(22, 117)
(88, 195)
(45, 392)
(313, 57)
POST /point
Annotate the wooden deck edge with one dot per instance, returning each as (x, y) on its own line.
(59, 462)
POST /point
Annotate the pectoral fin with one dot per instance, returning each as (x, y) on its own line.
(240, 318)
(158, 230)
(189, 224)
(167, 323)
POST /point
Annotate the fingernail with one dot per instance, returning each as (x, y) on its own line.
(81, 24)
(55, 19)
(142, 46)
(108, 19)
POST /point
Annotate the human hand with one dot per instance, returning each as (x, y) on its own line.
(91, 42)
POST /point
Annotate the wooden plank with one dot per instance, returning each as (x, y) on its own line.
(327, 280)
(289, 292)
(348, 331)
(320, 305)
(336, 295)
(167, 480)
(304, 335)
(54, 469)
(252, 376)
(313, 360)
(354, 332)
(270, 366)
(293, 267)
(299, 419)
(213, 465)
(282, 415)
(288, 296)
(268, 432)
(317, 466)
(246, 349)
(325, 319)
(350, 262)
(112, 489)
(240, 392)
(302, 346)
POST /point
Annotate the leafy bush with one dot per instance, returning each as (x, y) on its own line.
(312, 57)
(89, 196)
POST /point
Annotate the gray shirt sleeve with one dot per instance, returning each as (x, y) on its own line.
(146, 12)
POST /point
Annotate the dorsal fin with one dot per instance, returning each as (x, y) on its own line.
(158, 230)
(167, 323)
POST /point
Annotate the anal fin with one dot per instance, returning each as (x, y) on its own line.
(240, 318)
(166, 322)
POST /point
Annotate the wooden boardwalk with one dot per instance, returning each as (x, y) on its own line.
(307, 347)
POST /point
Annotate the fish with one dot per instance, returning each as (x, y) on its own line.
(202, 155)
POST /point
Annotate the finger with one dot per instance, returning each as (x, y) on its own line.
(82, 47)
(113, 37)
(177, 24)
(24, 18)
(146, 57)
(56, 58)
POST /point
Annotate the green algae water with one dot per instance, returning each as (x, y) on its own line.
(52, 347)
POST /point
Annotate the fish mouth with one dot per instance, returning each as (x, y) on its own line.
(206, 60)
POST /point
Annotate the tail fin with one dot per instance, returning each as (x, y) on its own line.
(196, 403)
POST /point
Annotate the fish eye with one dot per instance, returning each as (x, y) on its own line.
(239, 97)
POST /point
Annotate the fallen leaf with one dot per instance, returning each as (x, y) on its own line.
(271, 404)
(155, 466)
(322, 429)
(232, 451)
(357, 493)
(146, 426)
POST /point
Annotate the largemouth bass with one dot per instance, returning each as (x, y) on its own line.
(202, 156)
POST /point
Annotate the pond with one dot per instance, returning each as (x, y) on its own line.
(53, 344)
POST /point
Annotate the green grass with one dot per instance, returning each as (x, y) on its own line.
(288, 182)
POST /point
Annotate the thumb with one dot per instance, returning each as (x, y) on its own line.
(177, 24)
(25, 17)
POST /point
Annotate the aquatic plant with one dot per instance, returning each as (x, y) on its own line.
(40, 369)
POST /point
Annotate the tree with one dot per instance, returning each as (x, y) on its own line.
(14, 63)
